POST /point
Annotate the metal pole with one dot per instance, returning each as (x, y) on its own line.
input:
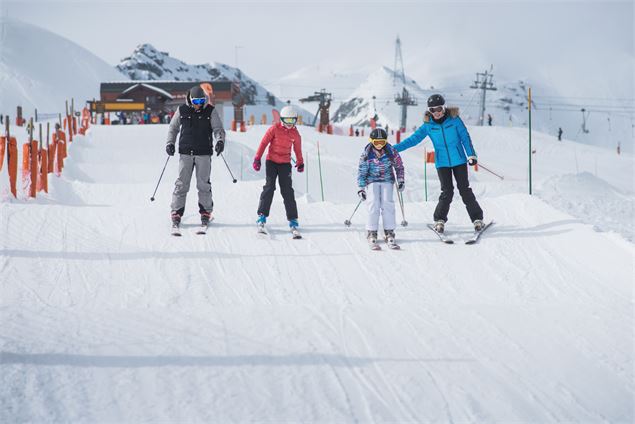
(320, 169)
(425, 171)
(529, 99)
(306, 171)
(241, 165)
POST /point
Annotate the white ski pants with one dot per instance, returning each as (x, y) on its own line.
(380, 202)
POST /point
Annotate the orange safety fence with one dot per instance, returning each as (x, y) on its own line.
(34, 167)
(59, 140)
(52, 150)
(42, 178)
(3, 146)
(13, 165)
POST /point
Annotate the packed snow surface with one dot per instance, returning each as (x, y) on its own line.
(104, 317)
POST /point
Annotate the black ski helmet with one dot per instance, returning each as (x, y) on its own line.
(378, 134)
(436, 100)
(196, 92)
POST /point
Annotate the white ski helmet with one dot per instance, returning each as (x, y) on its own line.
(288, 116)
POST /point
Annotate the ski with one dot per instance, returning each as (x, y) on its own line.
(176, 230)
(477, 234)
(441, 236)
(295, 234)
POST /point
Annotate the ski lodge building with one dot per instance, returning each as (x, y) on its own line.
(155, 96)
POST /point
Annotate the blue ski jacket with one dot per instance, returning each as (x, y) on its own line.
(450, 139)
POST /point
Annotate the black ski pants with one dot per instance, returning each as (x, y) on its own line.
(281, 171)
(447, 192)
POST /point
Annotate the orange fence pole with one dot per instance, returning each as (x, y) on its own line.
(12, 160)
(3, 144)
(33, 167)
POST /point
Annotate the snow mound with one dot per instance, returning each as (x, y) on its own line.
(592, 200)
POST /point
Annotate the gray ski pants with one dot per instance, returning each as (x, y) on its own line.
(203, 166)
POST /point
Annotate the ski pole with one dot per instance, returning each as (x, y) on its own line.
(230, 171)
(491, 172)
(404, 223)
(348, 221)
(155, 189)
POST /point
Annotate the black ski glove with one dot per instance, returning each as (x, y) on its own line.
(362, 194)
(169, 148)
(472, 161)
(400, 186)
(220, 146)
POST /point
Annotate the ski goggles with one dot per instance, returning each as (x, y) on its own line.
(436, 109)
(199, 101)
(289, 121)
(378, 143)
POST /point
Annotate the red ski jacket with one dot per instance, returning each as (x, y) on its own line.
(280, 139)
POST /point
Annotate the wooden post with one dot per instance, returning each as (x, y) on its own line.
(33, 148)
(12, 158)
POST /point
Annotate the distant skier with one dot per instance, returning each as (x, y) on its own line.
(489, 119)
(280, 138)
(451, 143)
(356, 132)
(559, 134)
(375, 178)
(199, 124)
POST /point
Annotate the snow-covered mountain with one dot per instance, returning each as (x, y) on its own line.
(40, 69)
(360, 107)
(338, 80)
(148, 63)
(507, 105)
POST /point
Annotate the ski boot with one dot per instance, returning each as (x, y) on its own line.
(371, 236)
(389, 237)
(439, 226)
(478, 225)
(261, 221)
(205, 218)
(293, 225)
(176, 223)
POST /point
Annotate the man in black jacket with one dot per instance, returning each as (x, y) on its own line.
(199, 124)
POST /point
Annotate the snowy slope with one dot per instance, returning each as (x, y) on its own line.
(148, 63)
(106, 318)
(39, 69)
(360, 107)
(339, 81)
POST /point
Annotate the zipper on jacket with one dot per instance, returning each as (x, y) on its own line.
(446, 146)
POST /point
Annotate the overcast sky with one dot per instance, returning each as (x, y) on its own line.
(572, 43)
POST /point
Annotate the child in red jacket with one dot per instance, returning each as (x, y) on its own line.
(280, 138)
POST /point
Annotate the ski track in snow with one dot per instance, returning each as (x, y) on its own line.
(107, 317)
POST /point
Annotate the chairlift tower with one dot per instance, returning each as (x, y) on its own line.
(404, 99)
(484, 83)
(324, 100)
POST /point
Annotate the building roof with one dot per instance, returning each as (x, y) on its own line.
(150, 87)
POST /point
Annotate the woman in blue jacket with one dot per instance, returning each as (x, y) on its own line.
(451, 144)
